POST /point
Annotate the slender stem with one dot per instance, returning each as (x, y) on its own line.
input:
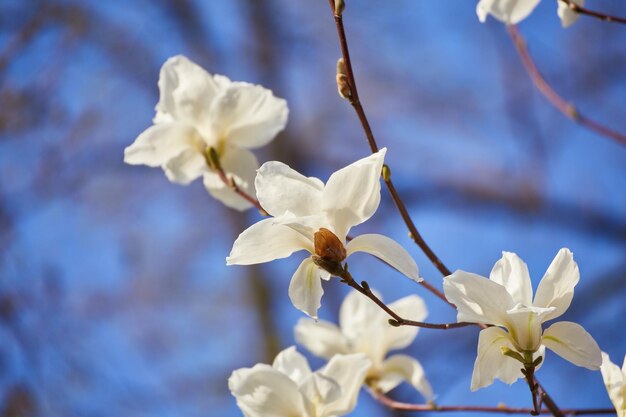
(553, 97)
(602, 16)
(397, 405)
(358, 108)
(396, 320)
(232, 184)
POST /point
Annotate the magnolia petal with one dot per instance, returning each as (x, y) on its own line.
(566, 14)
(477, 299)
(264, 242)
(556, 288)
(321, 338)
(510, 12)
(524, 326)
(291, 363)
(491, 363)
(186, 91)
(248, 115)
(358, 316)
(320, 389)
(512, 273)
(306, 226)
(571, 342)
(614, 383)
(186, 167)
(411, 307)
(305, 288)
(400, 368)
(281, 189)
(160, 143)
(240, 165)
(388, 250)
(262, 391)
(352, 194)
(349, 372)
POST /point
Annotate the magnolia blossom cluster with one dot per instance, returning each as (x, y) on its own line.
(204, 127)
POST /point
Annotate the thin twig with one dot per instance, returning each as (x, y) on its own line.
(396, 320)
(232, 184)
(602, 16)
(553, 97)
(358, 108)
(397, 405)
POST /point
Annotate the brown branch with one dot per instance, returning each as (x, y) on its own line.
(397, 405)
(364, 288)
(602, 16)
(358, 108)
(553, 97)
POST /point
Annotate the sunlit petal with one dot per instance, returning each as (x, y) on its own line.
(400, 368)
(305, 288)
(571, 342)
(491, 363)
(388, 250)
(556, 288)
(512, 273)
(321, 338)
(264, 242)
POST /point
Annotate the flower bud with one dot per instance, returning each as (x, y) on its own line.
(343, 83)
(328, 246)
(339, 6)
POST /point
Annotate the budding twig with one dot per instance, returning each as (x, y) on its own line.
(396, 320)
(358, 108)
(553, 97)
(602, 16)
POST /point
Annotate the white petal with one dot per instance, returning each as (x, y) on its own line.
(349, 372)
(264, 242)
(491, 363)
(566, 14)
(320, 390)
(358, 317)
(388, 250)
(248, 115)
(262, 391)
(281, 189)
(507, 11)
(291, 363)
(160, 143)
(321, 338)
(524, 326)
(411, 307)
(352, 194)
(305, 288)
(186, 167)
(400, 368)
(306, 226)
(239, 164)
(556, 288)
(477, 299)
(186, 92)
(614, 382)
(512, 273)
(571, 342)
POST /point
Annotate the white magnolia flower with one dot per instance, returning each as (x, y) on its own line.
(363, 327)
(566, 14)
(198, 111)
(615, 382)
(506, 301)
(311, 216)
(288, 388)
(510, 12)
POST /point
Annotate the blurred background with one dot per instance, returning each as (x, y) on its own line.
(114, 294)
